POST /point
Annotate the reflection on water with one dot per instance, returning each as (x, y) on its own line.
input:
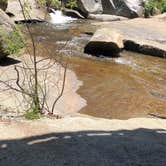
(133, 85)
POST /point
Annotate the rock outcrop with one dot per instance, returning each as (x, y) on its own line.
(93, 6)
(106, 17)
(139, 35)
(6, 26)
(86, 7)
(105, 42)
(126, 8)
(35, 13)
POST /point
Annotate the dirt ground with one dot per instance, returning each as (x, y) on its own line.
(83, 141)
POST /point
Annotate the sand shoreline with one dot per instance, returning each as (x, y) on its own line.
(69, 103)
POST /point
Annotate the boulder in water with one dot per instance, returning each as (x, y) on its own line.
(105, 42)
(139, 35)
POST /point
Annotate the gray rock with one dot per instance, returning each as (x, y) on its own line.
(34, 11)
(105, 42)
(93, 6)
(140, 35)
(126, 8)
(72, 13)
(106, 17)
(85, 7)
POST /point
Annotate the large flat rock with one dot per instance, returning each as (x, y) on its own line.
(106, 17)
(147, 36)
(105, 42)
(34, 12)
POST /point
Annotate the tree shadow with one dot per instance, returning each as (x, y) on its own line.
(7, 61)
(140, 147)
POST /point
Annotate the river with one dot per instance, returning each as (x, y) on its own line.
(133, 85)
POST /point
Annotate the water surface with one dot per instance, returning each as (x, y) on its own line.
(133, 85)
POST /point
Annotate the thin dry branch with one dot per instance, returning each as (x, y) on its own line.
(62, 90)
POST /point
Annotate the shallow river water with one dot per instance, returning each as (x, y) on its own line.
(133, 85)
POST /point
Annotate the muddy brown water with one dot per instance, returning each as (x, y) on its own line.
(133, 85)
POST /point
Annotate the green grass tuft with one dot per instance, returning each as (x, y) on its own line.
(32, 115)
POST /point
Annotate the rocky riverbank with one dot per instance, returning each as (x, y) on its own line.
(147, 36)
(14, 104)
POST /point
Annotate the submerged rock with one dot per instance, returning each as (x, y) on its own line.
(105, 42)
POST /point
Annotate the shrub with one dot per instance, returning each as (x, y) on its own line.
(151, 5)
(32, 115)
(50, 3)
(71, 4)
(12, 41)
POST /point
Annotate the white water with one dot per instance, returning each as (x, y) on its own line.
(57, 17)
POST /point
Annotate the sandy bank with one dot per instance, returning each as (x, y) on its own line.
(14, 102)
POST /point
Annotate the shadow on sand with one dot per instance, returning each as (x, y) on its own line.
(141, 147)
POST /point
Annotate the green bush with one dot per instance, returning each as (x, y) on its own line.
(31, 115)
(50, 3)
(71, 4)
(13, 42)
(151, 5)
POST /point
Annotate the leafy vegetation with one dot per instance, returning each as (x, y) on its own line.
(13, 42)
(32, 115)
(3, 1)
(152, 5)
(58, 3)
(71, 4)
(50, 3)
